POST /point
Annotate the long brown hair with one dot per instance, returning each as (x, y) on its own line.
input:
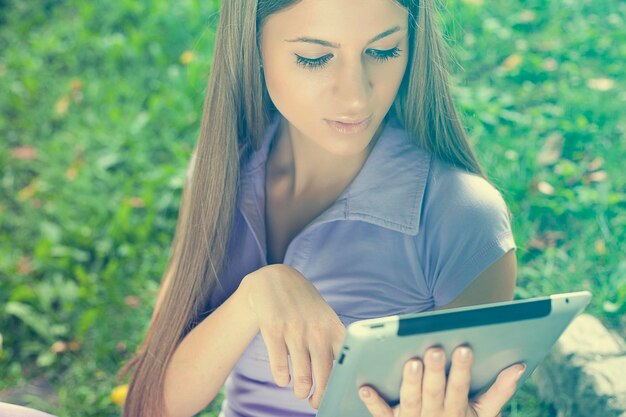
(237, 106)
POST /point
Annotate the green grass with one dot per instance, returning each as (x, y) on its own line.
(99, 113)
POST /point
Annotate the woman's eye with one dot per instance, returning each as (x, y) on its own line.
(313, 63)
(323, 60)
(385, 55)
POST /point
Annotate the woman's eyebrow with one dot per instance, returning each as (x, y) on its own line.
(336, 45)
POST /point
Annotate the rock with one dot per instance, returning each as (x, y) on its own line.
(585, 373)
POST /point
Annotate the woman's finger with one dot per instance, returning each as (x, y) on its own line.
(322, 362)
(300, 366)
(375, 404)
(337, 337)
(491, 402)
(411, 389)
(458, 385)
(277, 354)
(434, 382)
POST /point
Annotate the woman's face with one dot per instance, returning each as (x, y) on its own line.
(328, 60)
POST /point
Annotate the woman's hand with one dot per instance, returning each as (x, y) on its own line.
(295, 320)
(425, 393)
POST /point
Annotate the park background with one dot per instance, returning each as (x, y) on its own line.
(100, 106)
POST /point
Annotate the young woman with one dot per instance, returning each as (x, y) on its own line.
(332, 181)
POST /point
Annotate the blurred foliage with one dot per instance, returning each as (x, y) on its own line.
(100, 108)
(544, 105)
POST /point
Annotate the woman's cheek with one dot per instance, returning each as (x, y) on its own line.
(278, 85)
(290, 90)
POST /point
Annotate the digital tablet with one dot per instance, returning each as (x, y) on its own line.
(500, 334)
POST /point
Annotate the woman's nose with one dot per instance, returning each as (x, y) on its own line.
(352, 89)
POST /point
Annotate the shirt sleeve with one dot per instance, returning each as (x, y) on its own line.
(466, 228)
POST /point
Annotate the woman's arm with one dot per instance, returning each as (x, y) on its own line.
(202, 361)
(294, 321)
(496, 283)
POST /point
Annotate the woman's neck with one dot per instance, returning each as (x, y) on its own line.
(300, 167)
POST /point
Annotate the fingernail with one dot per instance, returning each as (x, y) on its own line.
(464, 353)
(365, 393)
(415, 366)
(436, 355)
(520, 371)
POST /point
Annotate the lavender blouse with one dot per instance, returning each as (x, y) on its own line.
(407, 234)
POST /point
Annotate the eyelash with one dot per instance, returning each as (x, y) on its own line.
(320, 62)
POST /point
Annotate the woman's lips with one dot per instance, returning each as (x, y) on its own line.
(349, 128)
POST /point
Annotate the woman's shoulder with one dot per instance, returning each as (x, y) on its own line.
(461, 186)
(459, 197)
(464, 228)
